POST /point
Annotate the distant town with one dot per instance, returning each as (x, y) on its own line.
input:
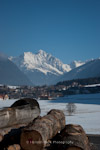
(78, 86)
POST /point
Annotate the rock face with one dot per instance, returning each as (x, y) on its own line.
(10, 73)
(41, 68)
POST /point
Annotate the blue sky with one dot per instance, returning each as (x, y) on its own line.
(67, 29)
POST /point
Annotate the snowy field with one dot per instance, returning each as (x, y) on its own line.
(86, 114)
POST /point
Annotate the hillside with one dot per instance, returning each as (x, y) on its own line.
(87, 70)
(10, 73)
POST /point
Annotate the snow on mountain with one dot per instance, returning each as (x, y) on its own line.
(43, 68)
(10, 74)
(76, 64)
(42, 62)
(40, 67)
(87, 70)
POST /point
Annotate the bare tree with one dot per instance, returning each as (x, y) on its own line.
(70, 108)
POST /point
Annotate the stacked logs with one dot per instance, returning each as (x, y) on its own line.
(36, 135)
(17, 113)
(42, 133)
(72, 137)
(11, 136)
(14, 118)
(6, 131)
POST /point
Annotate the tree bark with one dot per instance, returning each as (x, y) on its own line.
(36, 135)
(72, 137)
(22, 111)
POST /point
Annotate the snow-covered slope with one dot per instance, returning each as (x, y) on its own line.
(41, 68)
(41, 61)
(89, 69)
(86, 114)
(76, 64)
(10, 73)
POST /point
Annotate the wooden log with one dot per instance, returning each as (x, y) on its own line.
(14, 147)
(1, 137)
(5, 131)
(22, 111)
(37, 134)
(11, 137)
(72, 137)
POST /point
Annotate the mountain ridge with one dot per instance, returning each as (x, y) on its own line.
(41, 68)
(40, 60)
(87, 70)
(10, 73)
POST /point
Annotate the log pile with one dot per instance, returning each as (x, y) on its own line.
(72, 137)
(36, 135)
(32, 132)
(14, 118)
(5, 131)
(11, 136)
(17, 113)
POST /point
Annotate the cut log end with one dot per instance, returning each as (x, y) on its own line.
(14, 147)
(32, 140)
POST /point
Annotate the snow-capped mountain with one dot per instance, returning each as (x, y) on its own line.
(41, 68)
(87, 70)
(10, 74)
(76, 64)
(42, 62)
